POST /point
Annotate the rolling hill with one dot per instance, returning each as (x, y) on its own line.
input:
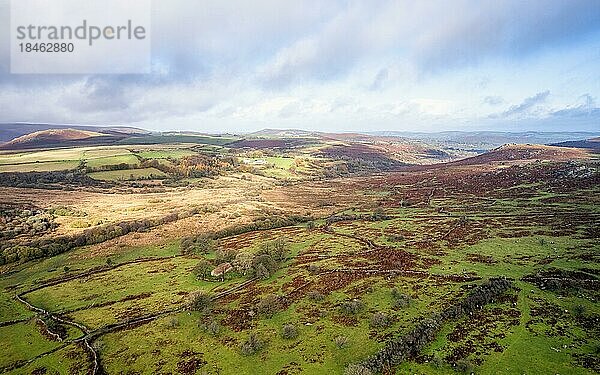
(10, 131)
(58, 138)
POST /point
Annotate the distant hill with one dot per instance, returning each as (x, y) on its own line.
(58, 137)
(10, 131)
(514, 152)
(590, 144)
(282, 133)
(54, 135)
(487, 140)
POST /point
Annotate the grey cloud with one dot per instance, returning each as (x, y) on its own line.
(493, 100)
(380, 80)
(587, 108)
(526, 105)
(471, 31)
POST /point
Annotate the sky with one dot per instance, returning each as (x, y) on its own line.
(371, 65)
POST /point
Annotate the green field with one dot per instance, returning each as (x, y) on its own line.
(100, 162)
(165, 154)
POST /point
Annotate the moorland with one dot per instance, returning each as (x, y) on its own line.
(286, 252)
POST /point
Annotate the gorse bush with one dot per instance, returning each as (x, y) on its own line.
(464, 366)
(211, 327)
(269, 305)
(352, 307)
(357, 369)
(315, 295)
(289, 331)
(252, 344)
(201, 302)
(400, 300)
(172, 323)
(380, 320)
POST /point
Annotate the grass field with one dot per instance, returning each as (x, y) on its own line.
(169, 139)
(47, 166)
(165, 154)
(100, 162)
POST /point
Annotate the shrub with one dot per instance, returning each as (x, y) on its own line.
(201, 302)
(341, 341)
(313, 268)
(252, 344)
(172, 323)
(396, 238)
(268, 305)
(289, 331)
(56, 327)
(380, 320)
(401, 300)
(579, 311)
(356, 369)
(212, 327)
(437, 361)
(352, 307)
(465, 366)
(315, 295)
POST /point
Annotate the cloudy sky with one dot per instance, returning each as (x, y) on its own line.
(238, 65)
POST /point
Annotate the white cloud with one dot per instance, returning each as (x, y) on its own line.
(341, 65)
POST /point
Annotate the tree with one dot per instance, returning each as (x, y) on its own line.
(199, 245)
(243, 262)
(225, 255)
(279, 250)
(263, 266)
(202, 269)
(262, 272)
